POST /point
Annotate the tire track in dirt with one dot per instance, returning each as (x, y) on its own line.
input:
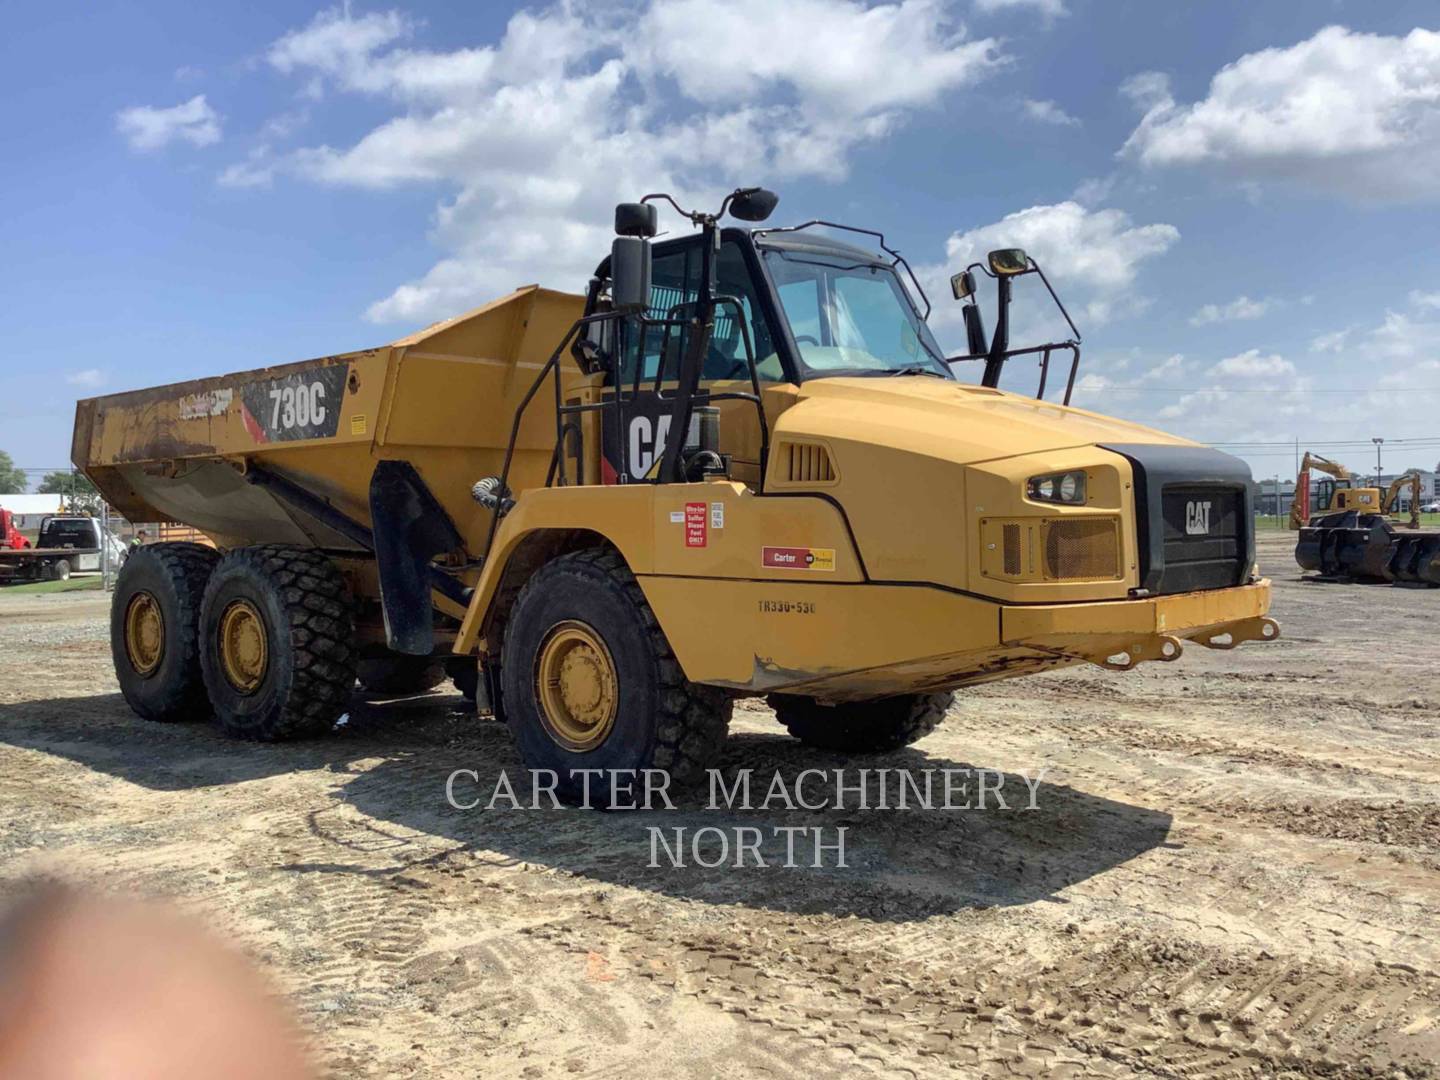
(1148, 1004)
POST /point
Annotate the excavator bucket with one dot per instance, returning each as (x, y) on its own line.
(1348, 545)
(1416, 559)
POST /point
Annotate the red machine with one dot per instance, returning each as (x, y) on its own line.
(10, 537)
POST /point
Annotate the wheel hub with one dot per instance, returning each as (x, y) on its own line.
(144, 633)
(576, 686)
(244, 647)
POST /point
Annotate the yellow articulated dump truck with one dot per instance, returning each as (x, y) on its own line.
(740, 465)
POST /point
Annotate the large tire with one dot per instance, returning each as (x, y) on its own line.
(300, 609)
(396, 673)
(166, 582)
(60, 570)
(658, 720)
(861, 726)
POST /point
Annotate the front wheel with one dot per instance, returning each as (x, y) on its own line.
(277, 643)
(861, 726)
(589, 682)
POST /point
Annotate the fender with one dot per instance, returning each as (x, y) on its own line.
(715, 529)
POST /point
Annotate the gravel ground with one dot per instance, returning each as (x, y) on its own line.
(1232, 869)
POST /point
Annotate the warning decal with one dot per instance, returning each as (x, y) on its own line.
(696, 524)
(797, 558)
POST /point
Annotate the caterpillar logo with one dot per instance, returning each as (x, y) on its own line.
(1197, 518)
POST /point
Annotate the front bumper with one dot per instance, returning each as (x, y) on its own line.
(1154, 628)
(853, 642)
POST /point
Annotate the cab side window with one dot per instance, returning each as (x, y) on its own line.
(675, 278)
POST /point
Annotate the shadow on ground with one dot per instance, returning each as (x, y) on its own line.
(902, 864)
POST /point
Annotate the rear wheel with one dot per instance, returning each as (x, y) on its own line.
(60, 570)
(396, 673)
(590, 682)
(277, 643)
(154, 630)
(861, 726)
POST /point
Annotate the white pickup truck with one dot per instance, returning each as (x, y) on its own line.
(65, 545)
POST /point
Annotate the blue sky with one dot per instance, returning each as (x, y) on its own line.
(1237, 199)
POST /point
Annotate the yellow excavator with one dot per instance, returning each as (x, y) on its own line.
(1350, 535)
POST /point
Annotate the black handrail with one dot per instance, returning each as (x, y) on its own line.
(1044, 352)
(556, 469)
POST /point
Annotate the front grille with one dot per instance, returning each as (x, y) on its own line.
(1205, 540)
(1012, 549)
(1081, 549)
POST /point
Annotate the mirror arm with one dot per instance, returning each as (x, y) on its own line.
(995, 361)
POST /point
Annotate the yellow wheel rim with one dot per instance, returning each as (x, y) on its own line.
(244, 647)
(576, 686)
(144, 633)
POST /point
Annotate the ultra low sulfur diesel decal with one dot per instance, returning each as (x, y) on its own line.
(302, 405)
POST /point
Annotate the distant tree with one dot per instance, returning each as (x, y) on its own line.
(79, 492)
(12, 480)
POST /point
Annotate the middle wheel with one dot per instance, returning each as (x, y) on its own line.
(277, 643)
(590, 682)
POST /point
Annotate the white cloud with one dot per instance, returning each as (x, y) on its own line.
(88, 379)
(1147, 89)
(1049, 8)
(1250, 364)
(1332, 342)
(1342, 111)
(538, 135)
(148, 128)
(1047, 112)
(1425, 299)
(338, 44)
(840, 57)
(1171, 365)
(1239, 309)
(1096, 253)
(256, 171)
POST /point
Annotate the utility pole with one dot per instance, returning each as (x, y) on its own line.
(1378, 443)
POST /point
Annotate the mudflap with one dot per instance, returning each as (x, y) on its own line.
(411, 528)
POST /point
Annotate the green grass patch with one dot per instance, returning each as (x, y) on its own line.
(75, 584)
(1427, 521)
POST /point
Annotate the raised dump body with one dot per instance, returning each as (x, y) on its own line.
(740, 466)
(442, 400)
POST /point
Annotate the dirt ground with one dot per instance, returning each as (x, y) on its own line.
(1233, 869)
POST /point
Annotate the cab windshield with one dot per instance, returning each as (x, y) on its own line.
(851, 318)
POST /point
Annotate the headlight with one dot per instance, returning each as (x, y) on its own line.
(1068, 487)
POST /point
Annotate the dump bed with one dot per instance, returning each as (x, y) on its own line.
(442, 400)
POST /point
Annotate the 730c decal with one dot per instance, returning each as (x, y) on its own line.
(302, 405)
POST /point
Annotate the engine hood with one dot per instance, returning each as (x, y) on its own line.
(951, 421)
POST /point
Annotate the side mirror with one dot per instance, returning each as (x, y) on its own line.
(975, 342)
(630, 273)
(963, 285)
(636, 219)
(1007, 262)
(753, 204)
